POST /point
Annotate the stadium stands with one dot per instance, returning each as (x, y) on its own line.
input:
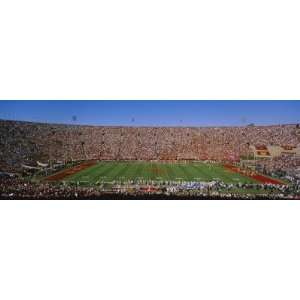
(25, 143)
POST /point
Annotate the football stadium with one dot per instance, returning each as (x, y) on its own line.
(69, 161)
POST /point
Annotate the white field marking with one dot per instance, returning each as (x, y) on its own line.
(198, 178)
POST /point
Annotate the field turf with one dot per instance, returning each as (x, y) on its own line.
(124, 171)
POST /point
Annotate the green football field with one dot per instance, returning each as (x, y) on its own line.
(124, 171)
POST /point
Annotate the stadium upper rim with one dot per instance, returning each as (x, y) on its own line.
(152, 126)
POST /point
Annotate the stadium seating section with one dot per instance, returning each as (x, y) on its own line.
(26, 143)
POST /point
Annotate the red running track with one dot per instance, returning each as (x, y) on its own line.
(257, 177)
(68, 172)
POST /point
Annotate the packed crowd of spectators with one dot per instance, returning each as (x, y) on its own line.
(18, 188)
(286, 164)
(26, 143)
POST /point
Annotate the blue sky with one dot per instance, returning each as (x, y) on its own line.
(153, 113)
